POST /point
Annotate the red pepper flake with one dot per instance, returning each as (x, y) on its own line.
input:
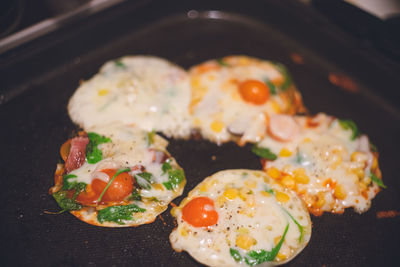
(387, 214)
(173, 204)
(297, 58)
(344, 82)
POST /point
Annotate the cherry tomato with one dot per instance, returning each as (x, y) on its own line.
(200, 212)
(64, 149)
(254, 91)
(88, 197)
(121, 186)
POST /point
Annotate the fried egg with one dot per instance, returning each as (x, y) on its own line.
(233, 96)
(240, 218)
(323, 159)
(147, 92)
(148, 180)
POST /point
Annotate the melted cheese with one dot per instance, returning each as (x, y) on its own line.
(249, 218)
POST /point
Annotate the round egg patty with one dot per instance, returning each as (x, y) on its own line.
(324, 159)
(233, 96)
(148, 92)
(127, 177)
(240, 218)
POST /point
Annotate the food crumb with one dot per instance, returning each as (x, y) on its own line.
(387, 214)
(213, 157)
(297, 58)
(343, 82)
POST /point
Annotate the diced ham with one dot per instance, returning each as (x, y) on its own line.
(77, 153)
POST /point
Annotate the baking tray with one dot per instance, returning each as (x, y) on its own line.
(39, 77)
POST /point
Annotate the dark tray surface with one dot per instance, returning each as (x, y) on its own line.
(35, 123)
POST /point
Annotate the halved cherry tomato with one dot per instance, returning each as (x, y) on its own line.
(121, 186)
(254, 91)
(200, 212)
(88, 197)
(64, 149)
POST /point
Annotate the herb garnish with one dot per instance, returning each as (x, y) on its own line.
(271, 86)
(287, 78)
(257, 257)
(263, 152)
(67, 185)
(301, 228)
(65, 203)
(93, 153)
(118, 214)
(376, 180)
(144, 179)
(111, 180)
(119, 64)
(269, 190)
(150, 137)
(135, 195)
(349, 124)
(175, 177)
(222, 63)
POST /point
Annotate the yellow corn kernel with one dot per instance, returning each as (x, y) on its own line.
(299, 171)
(288, 181)
(285, 152)
(204, 187)
(245, 241)
(102, 92)
(217, 126)
(339, 192)
(195, 82)
(281, 256)
(358, 157)
(243, 230)
(335, 159)
(359, 172)
(277, 239)
(221, 200)
(275, 106)
(250, 201)
(245, 193)
(321, 201)
(231, 193)
(158, 187)
(307, 140)
(300, 176)
(282, 197)
(250, 184)
(274, 173)
(265, 194)
(183, 232)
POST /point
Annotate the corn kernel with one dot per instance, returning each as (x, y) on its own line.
(221, 200)
(231, 193)
(282, 197)
(243, 230)
(275, 106)
(285, 152)
(195, 82)
(245, 241)
(217, 126)
(265, 194)
(281, 256)
(250, 201)
(277, 239)
(158, 187)
(307, 140)
(300, 176)
(102, 92)
(359, 172)
(244, 61)
(336, 159)
(250, 184)
(288, 181)
(321, 201)
(339, 192)
(274, 173)
(183, 232)
(358, 157)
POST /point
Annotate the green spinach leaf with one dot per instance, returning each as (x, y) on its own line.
(93, 153)
(263, 152)
(349, 124)
(301, 228)
(144, 179)
(118, 214)
(175, 177)
(376, 180)
(66, 204)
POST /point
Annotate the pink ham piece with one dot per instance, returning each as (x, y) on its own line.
(77, 153)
